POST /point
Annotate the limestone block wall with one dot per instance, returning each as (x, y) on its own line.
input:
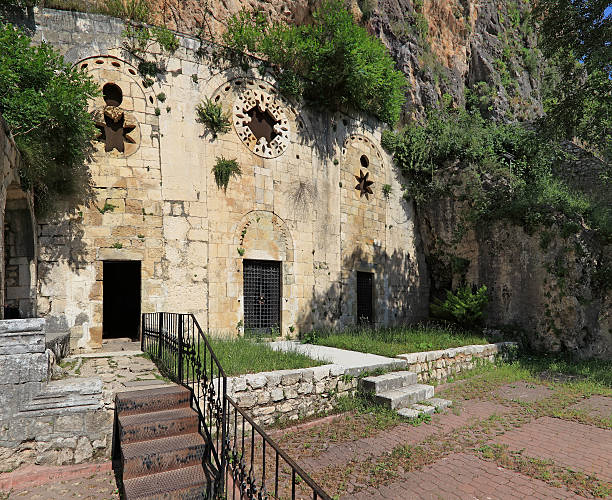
(439, 365)
(295, 201)
(286, 395)
(53, 423)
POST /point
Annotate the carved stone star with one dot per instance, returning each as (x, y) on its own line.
(364, 184)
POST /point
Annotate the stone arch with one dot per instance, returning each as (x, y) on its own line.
(264, 235)
(118, 122)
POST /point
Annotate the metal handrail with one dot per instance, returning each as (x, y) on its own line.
(178, 345)
(247, 482)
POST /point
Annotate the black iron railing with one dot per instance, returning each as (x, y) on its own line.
(244, 462)
(178, 345)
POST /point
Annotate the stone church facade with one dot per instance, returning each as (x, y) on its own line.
(315, 232)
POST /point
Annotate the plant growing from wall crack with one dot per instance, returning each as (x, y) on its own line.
(212, 116)
(224, 170)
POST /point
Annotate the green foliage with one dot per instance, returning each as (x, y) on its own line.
(44, 101)
(464, 307)
(212, 116)
(332, 62)
(505, 170)
(161, 97)
(480, 98)
(108, 207)
(393, 341)
(224, 170)
(575, 36)
(241, 355)
(241, 251)
(130, 10)
(386, 189)
(140, 38)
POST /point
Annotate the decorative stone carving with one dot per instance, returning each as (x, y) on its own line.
(118, 129)
(364, 184)
(260, 120)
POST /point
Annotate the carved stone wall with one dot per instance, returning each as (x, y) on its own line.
(158, 203)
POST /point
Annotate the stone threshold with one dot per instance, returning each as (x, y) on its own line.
(29, 476)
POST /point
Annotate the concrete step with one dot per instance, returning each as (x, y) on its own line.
(163, 454)
(150, 400)
(387, 382)
(404, 396)
(157, 424)
(189, 483)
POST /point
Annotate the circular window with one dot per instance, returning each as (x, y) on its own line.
(260, 120)
(113, 95)
(365, 162)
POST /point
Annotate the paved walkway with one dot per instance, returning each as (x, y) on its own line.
(354, 362)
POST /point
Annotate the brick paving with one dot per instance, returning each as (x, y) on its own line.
(521, 391)
(387, 440)
(463, 476)
(600, 406)
(570, 444)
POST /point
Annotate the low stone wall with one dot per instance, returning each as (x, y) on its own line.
(51, 423)
(438, 365)
(290, 394)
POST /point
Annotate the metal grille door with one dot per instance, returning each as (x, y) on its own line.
(365, 305)
(262, 297)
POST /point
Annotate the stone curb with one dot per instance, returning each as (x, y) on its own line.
(486, 350)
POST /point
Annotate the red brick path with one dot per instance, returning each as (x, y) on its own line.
(571, 444)
(463, 476)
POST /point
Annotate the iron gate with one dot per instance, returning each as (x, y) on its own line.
(262, 297)
(365, 303)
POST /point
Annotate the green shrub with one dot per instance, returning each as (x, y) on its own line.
(332, 62)
(133, 10)
(224, 170)
(464, 307)
(44, 101)
(212, 116)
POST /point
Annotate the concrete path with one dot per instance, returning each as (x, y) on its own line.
(354, 362)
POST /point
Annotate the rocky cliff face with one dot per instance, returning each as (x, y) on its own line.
(443, 46)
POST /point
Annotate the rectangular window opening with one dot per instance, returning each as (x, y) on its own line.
(365, 298)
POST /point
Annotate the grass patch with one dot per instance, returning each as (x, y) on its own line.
(393, 341)
(240, 355)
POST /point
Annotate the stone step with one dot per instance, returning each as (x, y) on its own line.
(429, 408)
(404, 396)
(439, 403)
(157, 424)
(189, 483)
(163, 454)
(387, 382)
(150, 400)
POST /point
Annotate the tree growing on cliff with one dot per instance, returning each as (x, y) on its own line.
(44, 101)
(576, 35)
(332, 63)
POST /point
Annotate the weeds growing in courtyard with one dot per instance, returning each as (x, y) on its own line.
(240, 355)
(393, 341)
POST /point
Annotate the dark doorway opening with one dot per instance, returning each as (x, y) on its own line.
(365, 298)
(121, 300)
(262, 296)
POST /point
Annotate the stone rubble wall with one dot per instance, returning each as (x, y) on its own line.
(47, 423)
(439, 365)
(290, 394)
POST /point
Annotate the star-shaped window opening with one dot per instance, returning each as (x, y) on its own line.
(113, 130)
(364, 184)
(262, 124)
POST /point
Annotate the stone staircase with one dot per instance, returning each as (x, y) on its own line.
(400, 391)
(159, 447)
